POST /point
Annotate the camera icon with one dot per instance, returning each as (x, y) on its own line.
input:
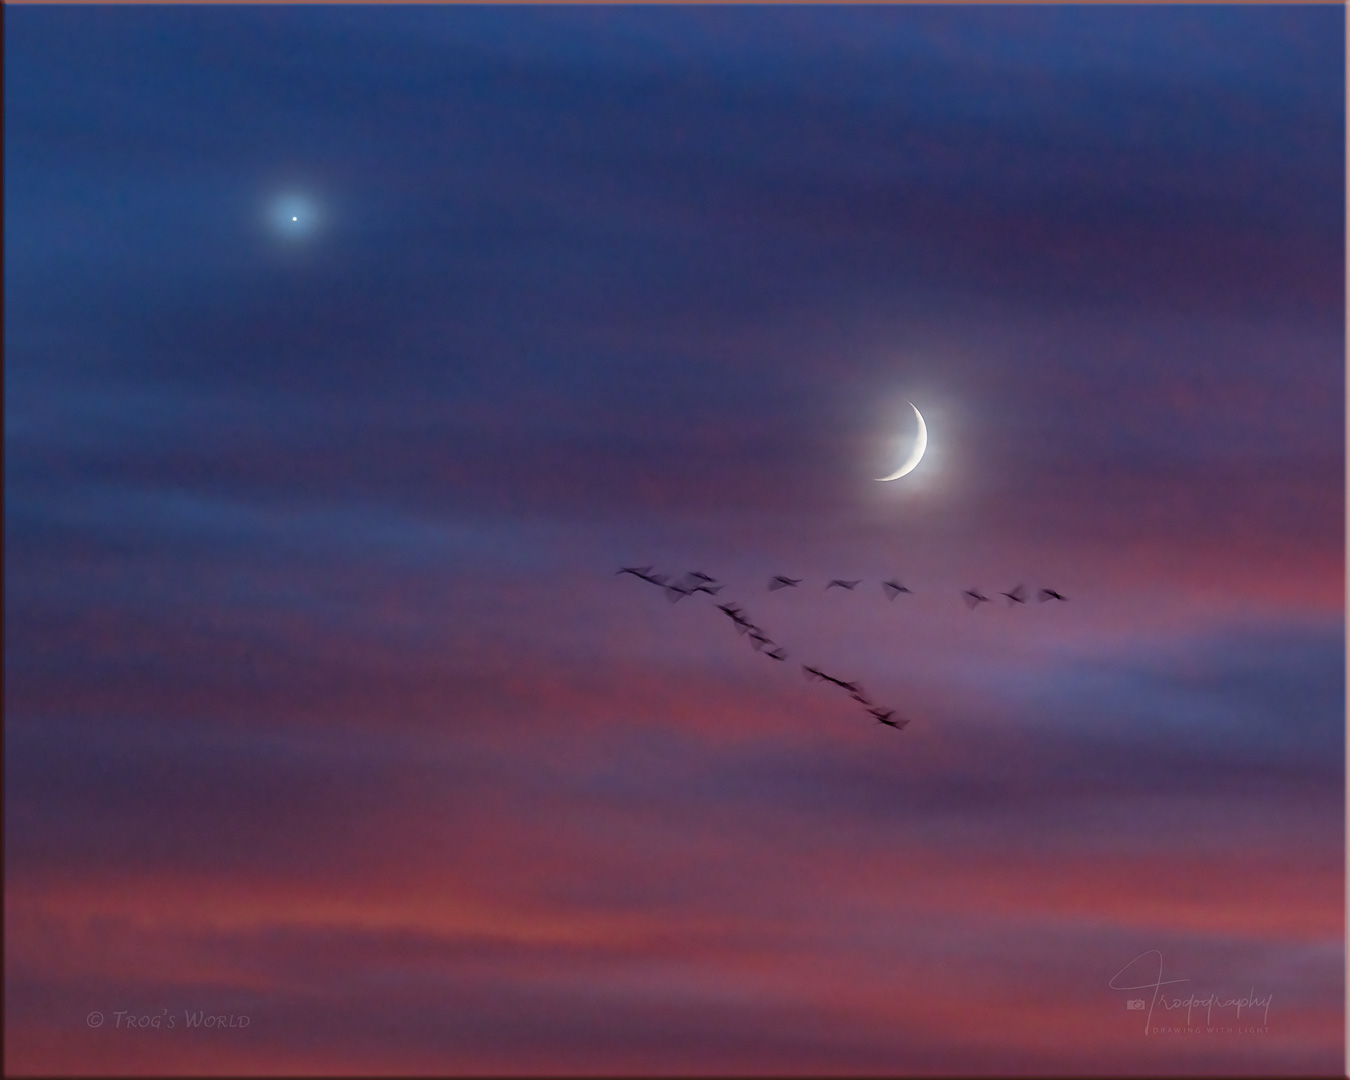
(1135, 1003)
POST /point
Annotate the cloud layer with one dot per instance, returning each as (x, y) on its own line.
(326, 707)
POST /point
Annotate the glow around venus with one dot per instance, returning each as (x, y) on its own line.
(294, 215)
(916, 455)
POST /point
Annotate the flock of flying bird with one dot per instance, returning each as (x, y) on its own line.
(972, 597)
(696, 581)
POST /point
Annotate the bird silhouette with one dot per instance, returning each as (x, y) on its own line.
(894, 589)
(1050, 594)
(885, 718)
(852, 688)
(815, 674)
(700, 576)
(643, 572)
(779, 653)
(849, 585)
(781, 582)
(734, 613)
(1015, 596)
(973, 598)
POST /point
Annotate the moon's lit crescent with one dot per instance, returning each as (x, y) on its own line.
(920, 445)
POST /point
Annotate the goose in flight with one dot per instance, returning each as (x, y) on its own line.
(849, 585)
(781, 582)
(1015, 596)
(885, 718)
(894, 589)
(1050, 594)
(735, 614)
(815, 674)
(644, 572)
(973, 598)
(852, 688)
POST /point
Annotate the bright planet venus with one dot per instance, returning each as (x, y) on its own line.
(294, 215)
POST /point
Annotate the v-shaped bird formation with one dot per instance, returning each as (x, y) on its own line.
(696, 581)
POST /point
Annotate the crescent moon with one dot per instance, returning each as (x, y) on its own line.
(920, 445)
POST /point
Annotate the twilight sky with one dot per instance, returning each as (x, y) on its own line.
(324, 705)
